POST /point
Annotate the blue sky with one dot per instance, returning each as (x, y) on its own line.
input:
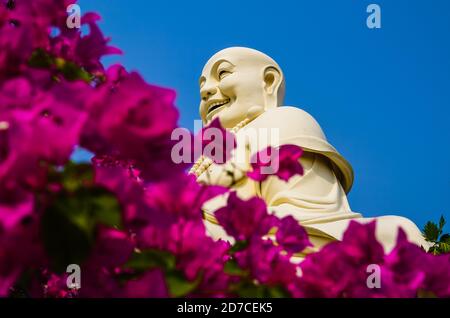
(382, 96)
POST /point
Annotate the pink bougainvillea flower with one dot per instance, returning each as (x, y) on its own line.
(182, 197)
(15, 48)
(20, 250)
(340, 267)
(243, 219)
(267, 263)
(160, 204)
(84, 50)
(168, 217)
(99, 273)
(283, 162)
(29, 116)
(291, 236)
(419, 271)
(24, 27)
(113, 248)
(151, 284)
(19, 35)
(437, 278)
(14, 209)
(359, 241)
(55, 286)
(217, 142)
(134, 121)
(196, 253)
(119, 178)
(115, 74)
(144, 111)
(128, 125)
(92, 47)
(41, 13)
(61, 128)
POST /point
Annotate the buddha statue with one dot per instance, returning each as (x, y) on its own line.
(245, 89)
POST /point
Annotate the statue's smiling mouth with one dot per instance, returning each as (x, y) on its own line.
(217, 104)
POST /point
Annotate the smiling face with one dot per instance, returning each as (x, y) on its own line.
(235, 80)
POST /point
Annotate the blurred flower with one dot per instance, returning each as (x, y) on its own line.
(37, 127)
(291, 236)
(266, 263)
(20, 247)
(197, 255)
(86, 51)
(126, 121)
(243, 219)
(417, 270)
(55, 95)
(99, 274)
(217, 142)
(340, 267)
(150, 285)
(56, 287)
(25, 26)
(182, 197)
(283, 163)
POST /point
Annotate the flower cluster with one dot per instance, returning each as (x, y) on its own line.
(56, 95)
(132, 219)
(340, 269)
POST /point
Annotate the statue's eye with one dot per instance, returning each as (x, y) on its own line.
(223, 73)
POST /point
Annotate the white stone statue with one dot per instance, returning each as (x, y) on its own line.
(245, 89)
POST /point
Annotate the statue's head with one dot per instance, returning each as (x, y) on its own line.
(237, 80)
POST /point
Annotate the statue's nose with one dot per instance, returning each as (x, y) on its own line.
(207, 91)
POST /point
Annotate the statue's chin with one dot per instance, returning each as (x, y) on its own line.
(230, 114)
(225, 121)
(214, 113)
(227, 118)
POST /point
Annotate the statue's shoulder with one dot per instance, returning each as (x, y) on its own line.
(291, 113)
(291, 121)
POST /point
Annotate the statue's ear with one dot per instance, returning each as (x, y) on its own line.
(273, 79)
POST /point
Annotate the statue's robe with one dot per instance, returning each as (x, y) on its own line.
(317, 199)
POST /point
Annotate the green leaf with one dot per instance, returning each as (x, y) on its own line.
(441, 224)
(40, 59)
(88, 207)
(250, 290)
(64, 241)
(232, 268)
(238, 246)
(433, 250)
(425, 294)
(105, 208)
(178, 285)
(69, 224)
(72, 71)
(444, 248)
(86, 204)
(431, 232)
(147, 259)
(76, 176)
(277, 292)
(22, 285)
(445, 238)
